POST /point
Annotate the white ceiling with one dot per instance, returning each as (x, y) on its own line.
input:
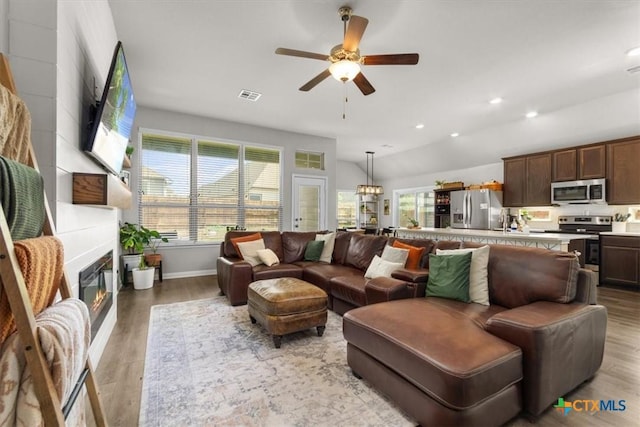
(196, 56)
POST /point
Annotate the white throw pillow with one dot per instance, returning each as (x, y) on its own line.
(268, 257)
(479, 273)
(381, 268)
(329, 243)
(395, 254)
(249, 251)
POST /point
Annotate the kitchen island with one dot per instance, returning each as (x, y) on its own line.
(553, 241)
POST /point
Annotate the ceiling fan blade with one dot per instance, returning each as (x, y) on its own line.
(314, 81)
(363, 84)
(393, 59)
(301, 54)
(355, 30)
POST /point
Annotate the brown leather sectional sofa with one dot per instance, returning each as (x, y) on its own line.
(451, 363)
(446, 362)
(343, 280)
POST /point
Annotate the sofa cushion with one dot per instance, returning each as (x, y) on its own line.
(249, 251)
(262, 272)
(320, 274)
(313, 251)
(449, 276)
(341, 245)
(350, 289)
(294, 243)
(479, 273)
(397, 255)
(521, 275)
(240, 239)
(362, 249)
(447, 356)
(268, 257)
(272, 240)
(329, 243)
(414, 256)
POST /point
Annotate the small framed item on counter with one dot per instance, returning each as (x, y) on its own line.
(125, 177)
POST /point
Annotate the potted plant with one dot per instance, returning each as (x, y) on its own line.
(413, 223)
(135, 238)
(155, 238)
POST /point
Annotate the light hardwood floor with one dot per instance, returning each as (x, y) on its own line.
(120, 371)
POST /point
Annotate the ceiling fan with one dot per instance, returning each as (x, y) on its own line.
(345, 58)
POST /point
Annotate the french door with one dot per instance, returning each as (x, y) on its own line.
(309, 203)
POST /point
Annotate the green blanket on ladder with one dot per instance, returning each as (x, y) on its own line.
(22, 199)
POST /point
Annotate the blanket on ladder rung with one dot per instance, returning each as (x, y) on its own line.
(22, 198)
(42, 265)
(15, 127)
(65, 334)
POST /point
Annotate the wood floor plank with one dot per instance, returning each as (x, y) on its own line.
(122, 365)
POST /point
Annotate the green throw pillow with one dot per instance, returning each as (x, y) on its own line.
(449, 276)
(313, 250)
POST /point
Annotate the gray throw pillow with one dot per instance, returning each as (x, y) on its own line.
(449, 276)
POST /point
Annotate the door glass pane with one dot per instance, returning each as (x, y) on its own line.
(309, 208)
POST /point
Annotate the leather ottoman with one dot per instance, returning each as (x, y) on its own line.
(286, 305)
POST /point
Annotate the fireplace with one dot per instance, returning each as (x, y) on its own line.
(96, 290)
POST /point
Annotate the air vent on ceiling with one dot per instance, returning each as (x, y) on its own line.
(249, 95)
(634, 70)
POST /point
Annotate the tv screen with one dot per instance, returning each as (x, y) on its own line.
(111, 126)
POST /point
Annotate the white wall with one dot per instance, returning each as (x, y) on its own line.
(57, 49)
(202, 258)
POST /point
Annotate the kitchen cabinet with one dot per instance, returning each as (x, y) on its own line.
(620, 260)
(368, 211)
(527, 180)
(623, 177)
(586, 162)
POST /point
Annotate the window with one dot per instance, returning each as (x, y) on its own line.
(417, 204)
(347, 209)
(309, 160)
(195, 188)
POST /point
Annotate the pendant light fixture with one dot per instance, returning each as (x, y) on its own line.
(369, 189)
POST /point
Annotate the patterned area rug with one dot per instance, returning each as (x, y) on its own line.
(206, 364)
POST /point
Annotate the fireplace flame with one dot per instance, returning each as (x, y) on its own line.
(97, 301)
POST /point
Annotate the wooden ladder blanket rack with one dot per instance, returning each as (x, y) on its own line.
(12, 283)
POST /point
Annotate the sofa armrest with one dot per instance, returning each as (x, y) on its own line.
(413, 276)
(383, 289)
(562, 346)
(587, 287)
(234, 277)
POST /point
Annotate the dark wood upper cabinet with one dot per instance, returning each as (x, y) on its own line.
(538, 183)
(514, 181)
(587, 162)
(565, 165)
(592, 162)
(623, 173)
(527, 181)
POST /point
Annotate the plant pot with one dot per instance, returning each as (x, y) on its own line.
(618, 227)
(131, 261)
(143, 279)
(153, 260)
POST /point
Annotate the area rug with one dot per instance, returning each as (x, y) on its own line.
(208, 365)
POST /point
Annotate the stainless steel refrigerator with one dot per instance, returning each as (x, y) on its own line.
(476, 209)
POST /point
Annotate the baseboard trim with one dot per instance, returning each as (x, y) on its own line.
(194, 273)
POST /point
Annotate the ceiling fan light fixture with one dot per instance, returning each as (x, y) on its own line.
(344, 70)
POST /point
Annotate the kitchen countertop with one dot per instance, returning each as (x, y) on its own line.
(623, 233)
(536, 236)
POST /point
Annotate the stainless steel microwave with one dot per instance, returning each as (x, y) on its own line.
(579, 192)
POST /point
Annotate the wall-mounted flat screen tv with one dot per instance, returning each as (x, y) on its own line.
(111, 126)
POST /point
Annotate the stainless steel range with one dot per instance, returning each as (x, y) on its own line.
(586, 224)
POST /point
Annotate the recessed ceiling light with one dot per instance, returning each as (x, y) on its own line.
(634, 52)
(494, 101)
(531, 114)
(419, 126)
(455, 135)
